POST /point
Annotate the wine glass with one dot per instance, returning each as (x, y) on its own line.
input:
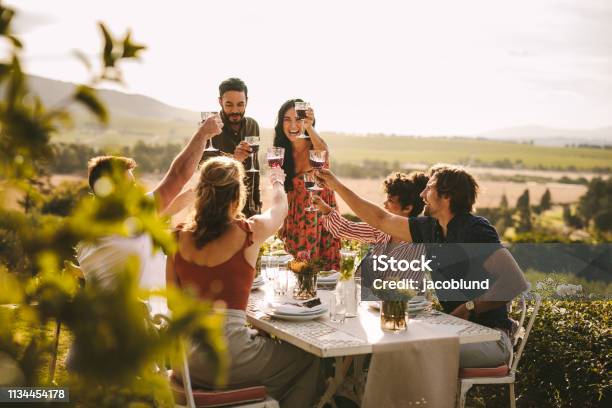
(317, 162)
(204, 116)
(253, 142)
(275, 156)
(300, 110)
(311, 185)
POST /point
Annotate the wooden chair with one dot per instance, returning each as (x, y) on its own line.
(504, 374)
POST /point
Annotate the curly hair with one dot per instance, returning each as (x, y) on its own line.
(407, 188)
(220, 195)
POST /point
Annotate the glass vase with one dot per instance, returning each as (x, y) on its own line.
(393, 317)
(305, 285)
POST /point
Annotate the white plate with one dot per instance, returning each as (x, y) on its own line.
(296, 318)
(411, 308)
(257, 285)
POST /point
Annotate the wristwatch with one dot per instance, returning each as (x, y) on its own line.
(469, 306)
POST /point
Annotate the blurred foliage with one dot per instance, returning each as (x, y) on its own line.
(63, 199)
(115, 350)
(72, 158)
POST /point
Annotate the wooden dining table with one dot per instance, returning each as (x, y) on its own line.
(359, 336)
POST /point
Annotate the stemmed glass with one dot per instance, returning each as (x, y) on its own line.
(253, 142)
(275, 156)
(311, 185)
(204, 116)
(317, 162)
(300, 110)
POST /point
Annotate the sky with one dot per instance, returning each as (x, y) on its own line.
(397, 67)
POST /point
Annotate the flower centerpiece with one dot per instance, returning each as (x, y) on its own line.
(306, 270)
(394, 308)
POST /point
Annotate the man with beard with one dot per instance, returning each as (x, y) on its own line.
(461, 246)
(233, 98)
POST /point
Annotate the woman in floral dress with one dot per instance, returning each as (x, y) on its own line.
(301, 230)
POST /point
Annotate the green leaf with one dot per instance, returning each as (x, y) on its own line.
(16, 88)
(131, 50)
(6, 15)
(16, 42)
(81, 56)
(5, 69)
(87, 96)
(109, 58)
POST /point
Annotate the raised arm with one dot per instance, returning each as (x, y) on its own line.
(509, 283)
(185, 163)
(317, 142)
(394, 225)
(266, 224)
(181, 201)
(342, 228)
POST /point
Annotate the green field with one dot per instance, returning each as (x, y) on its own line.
(356, 148)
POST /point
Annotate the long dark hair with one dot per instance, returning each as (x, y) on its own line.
(281, 140)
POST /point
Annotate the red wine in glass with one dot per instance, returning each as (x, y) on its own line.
(317, 164)
(275, 161)
(301, 108)
(309, 185)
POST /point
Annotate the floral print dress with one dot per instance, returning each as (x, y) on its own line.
(303, 232)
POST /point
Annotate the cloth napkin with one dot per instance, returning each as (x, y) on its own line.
(422, 372)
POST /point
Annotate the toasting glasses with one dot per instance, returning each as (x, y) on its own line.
(275, 156)
(204, 116)
(253, 142)
(300, 110)
(311, 185)
(317, 162)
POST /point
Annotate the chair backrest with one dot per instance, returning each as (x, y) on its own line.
(77, 272)
(159, 320)
(523, 332)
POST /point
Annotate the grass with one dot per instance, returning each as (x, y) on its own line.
(357, 148)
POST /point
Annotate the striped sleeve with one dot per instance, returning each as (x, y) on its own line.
(340, 227)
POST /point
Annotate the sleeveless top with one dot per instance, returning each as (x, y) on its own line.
(229, 281)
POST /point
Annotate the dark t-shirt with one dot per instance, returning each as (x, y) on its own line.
(456, 257)
(226, 142)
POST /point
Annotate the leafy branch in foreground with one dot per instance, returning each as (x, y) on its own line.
(114, 351)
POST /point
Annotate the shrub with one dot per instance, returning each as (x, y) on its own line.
(64, 198)
(566, 362)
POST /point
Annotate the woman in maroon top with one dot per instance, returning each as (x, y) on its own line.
(217, 252)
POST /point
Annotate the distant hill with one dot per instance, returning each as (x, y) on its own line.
(137, 118)
(552, 137)
(120, 104)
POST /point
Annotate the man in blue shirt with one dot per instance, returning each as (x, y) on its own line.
(450, 230)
